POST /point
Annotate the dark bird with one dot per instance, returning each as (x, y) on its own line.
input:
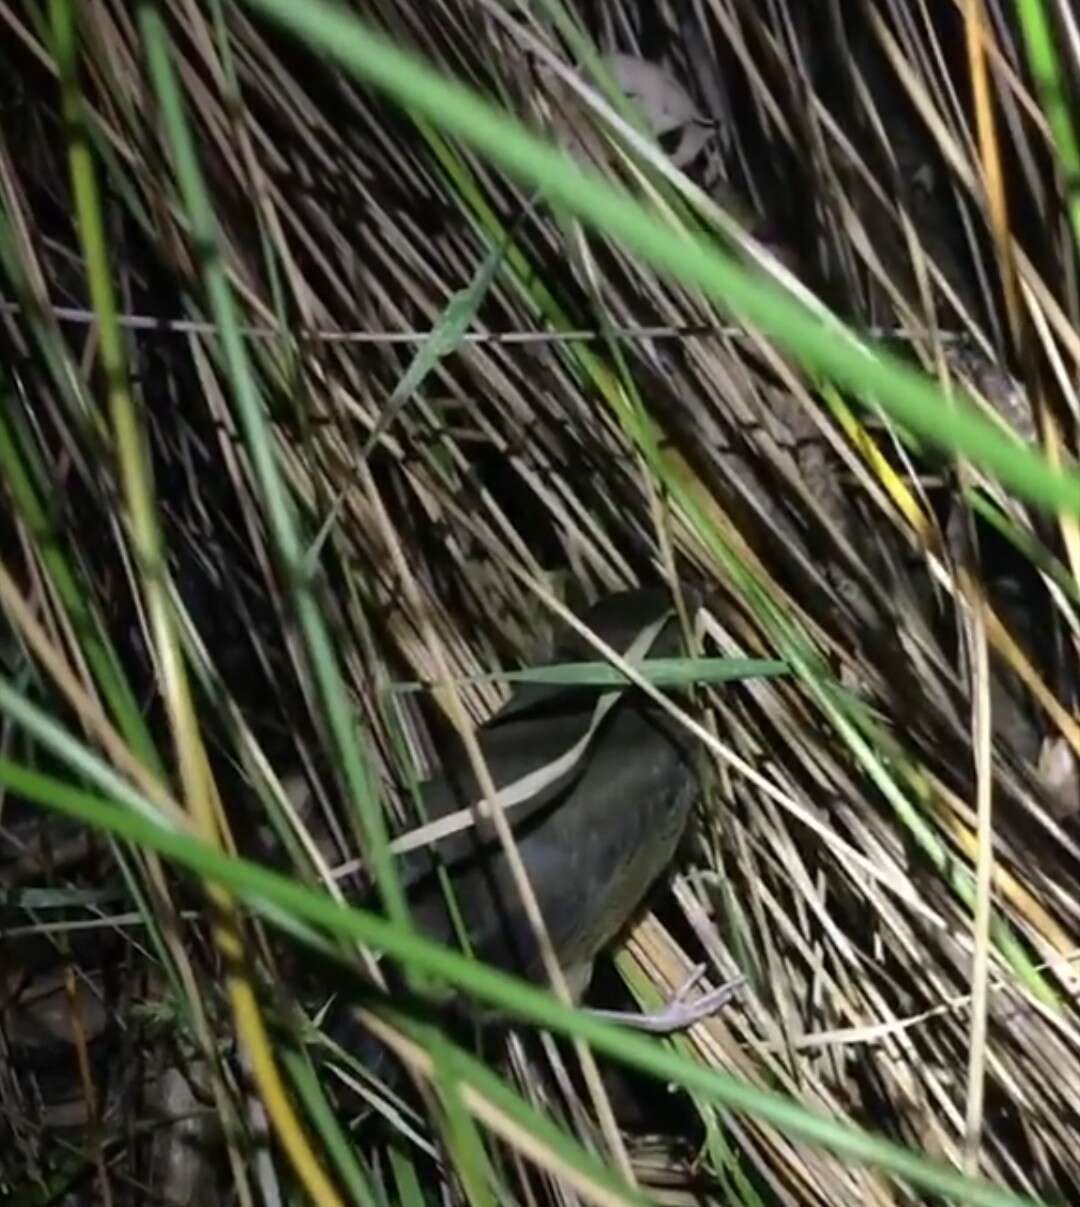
(595, 836)
(605, 802)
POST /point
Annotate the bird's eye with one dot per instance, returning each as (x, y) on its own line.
(670, 140)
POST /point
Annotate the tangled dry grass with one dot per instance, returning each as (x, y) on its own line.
(833, 857)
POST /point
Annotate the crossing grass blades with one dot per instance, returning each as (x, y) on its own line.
(323, 417)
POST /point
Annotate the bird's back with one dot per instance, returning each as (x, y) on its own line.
(595, 838)
(591, 853)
